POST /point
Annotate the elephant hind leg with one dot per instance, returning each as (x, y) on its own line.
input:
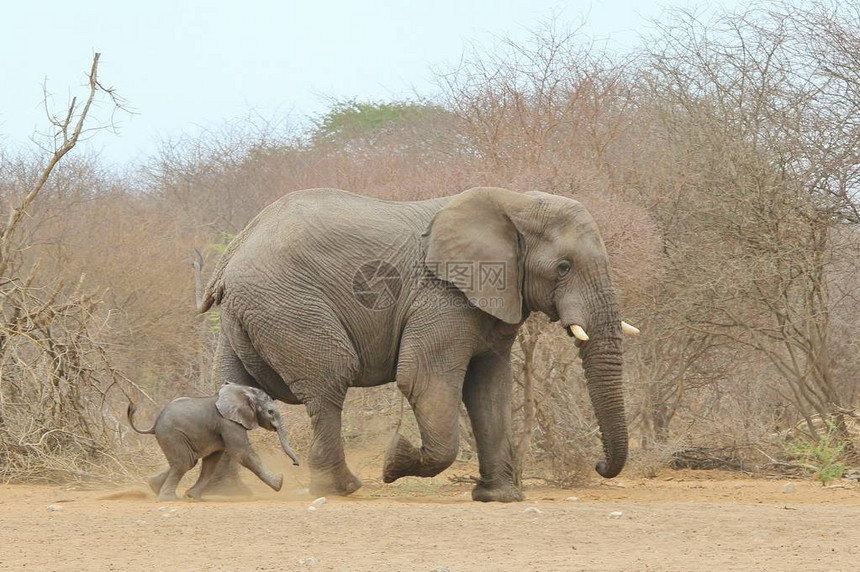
(308, 358)
(156, 481)
(329, 473)
(174, 475)
(207, 471)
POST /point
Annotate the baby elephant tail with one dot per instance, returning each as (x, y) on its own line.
(131, 410)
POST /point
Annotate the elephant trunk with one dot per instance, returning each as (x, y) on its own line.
(602, 362)
(282, 435)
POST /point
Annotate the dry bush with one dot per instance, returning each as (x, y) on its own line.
(59, 391)
(62, 403)
(763, 221)
(556, 434)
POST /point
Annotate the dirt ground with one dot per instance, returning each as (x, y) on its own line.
(677, 521)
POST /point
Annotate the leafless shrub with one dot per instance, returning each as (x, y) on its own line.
(557, 437)
(61, 400)
(769, 225)
(58, 389)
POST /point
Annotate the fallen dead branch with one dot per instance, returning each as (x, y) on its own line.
(725, 458)
(60, 397)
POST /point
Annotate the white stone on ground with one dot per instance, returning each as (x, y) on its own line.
(616, 514)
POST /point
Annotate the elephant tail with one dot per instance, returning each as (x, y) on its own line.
(213, 293)
(131, 409)
(204, 297)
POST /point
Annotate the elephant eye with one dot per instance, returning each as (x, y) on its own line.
(563, 268)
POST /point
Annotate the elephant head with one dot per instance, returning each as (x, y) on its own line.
(251, 408)
(550, 258)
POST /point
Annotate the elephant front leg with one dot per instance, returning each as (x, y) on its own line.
(487, 395)
(239, 447)
(225, 480)
(326, 459)
(435, 400)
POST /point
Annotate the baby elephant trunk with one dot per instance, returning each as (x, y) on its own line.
(282, 435)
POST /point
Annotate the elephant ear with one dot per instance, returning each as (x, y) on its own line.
(236, 403)
(474, 244)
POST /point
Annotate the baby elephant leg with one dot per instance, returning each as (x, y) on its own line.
(156, 481)
(239, 448)
(174, 475)
(210, 463)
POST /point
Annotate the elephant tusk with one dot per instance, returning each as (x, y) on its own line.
(628, 329)
(578, 333)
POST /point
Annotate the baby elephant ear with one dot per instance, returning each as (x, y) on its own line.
(236, 403)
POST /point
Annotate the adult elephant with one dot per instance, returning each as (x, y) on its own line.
(326, 290)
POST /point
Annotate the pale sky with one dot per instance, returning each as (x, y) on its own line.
(187, 65)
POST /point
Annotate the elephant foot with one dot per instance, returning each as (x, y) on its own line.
(400, 460)
(167, 497)
(339, 482)
(503, 493)
(192, 494)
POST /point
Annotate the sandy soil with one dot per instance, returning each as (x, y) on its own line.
(679, 521)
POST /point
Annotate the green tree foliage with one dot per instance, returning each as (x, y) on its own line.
(354, 124)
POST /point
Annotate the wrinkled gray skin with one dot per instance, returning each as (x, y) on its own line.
(191, 428)
(292, 324)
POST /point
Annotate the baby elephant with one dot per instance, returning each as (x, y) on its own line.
(191, 428)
